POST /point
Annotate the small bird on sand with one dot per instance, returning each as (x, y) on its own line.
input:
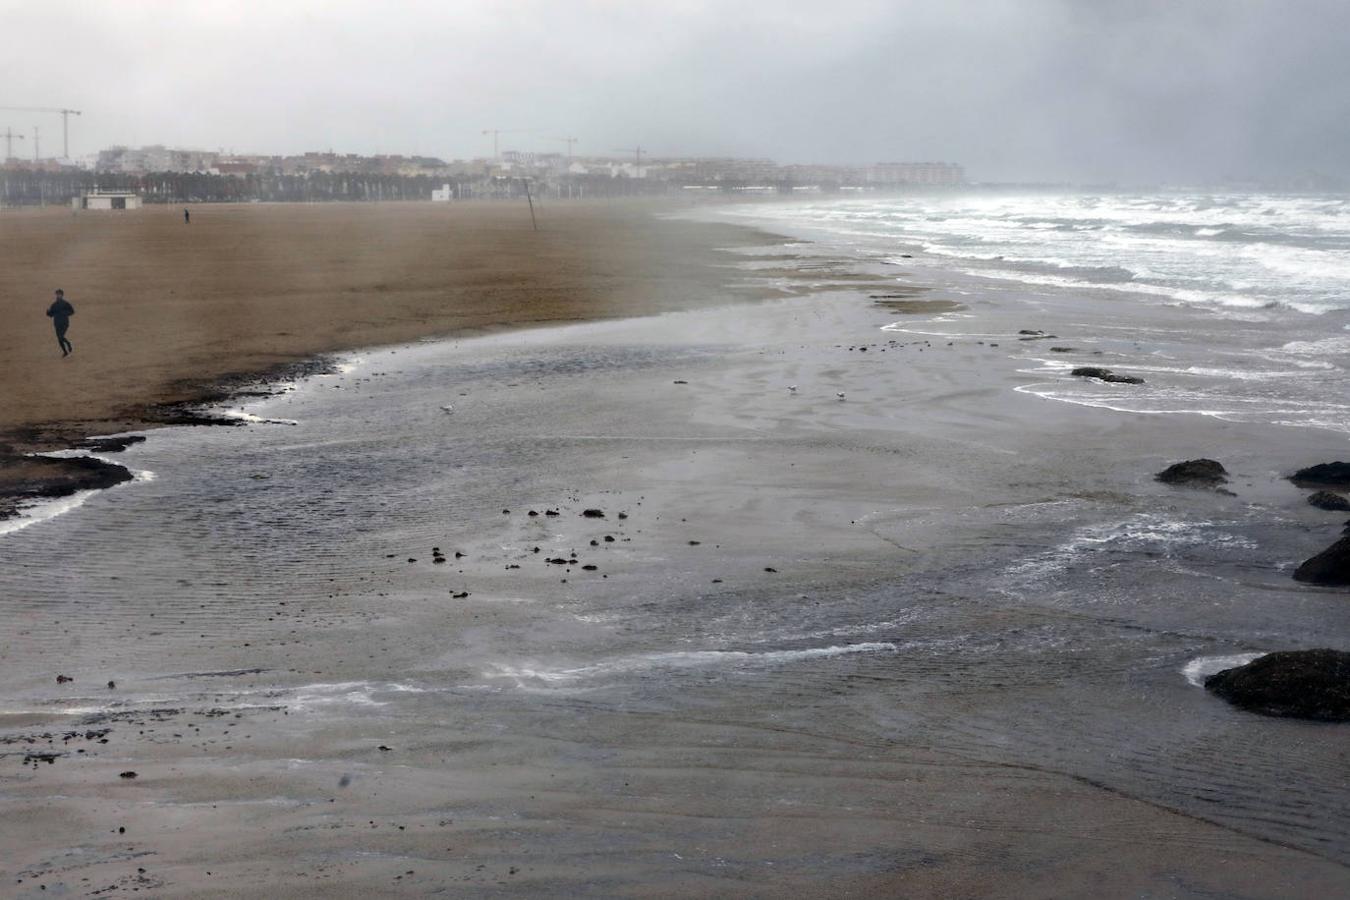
(792, 388)
(839, 394)
(447, 408)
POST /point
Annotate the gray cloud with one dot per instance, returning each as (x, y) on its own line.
(1012, 88)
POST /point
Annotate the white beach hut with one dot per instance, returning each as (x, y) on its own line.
(97, 199)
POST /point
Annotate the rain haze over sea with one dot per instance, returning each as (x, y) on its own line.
(1255, 287)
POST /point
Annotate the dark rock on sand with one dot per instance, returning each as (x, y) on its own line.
(1302, 684)
(1330, 567)
(1198, 472)
(25, 478)
(190, 414)
(1329, 501)
(1332, 474)
(1105, 375)
(1061, 349)
(593, 513)
(110, 444)
(1029, 331)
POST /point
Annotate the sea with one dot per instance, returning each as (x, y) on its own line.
(1258, 284)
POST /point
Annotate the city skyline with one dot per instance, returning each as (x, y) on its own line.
(1039, 90)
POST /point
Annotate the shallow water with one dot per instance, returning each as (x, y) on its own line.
(959, 567)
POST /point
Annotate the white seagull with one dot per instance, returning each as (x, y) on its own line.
(792, 388)
(839, 394)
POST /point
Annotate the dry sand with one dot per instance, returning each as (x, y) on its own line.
(164, 309)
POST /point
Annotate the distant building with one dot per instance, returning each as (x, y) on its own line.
(154, 158)
(443, 194)
(916, 173)
(97, 199)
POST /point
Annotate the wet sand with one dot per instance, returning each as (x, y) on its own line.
(926, 640)
(164, 310)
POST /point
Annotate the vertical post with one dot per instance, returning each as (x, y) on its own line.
(531, 202)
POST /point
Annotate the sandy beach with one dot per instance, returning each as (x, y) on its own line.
(818, 595)
(165, 310)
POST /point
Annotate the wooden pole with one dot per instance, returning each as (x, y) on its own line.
(531, 202)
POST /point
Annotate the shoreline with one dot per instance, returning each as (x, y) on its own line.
(182, 399)
(931, 638)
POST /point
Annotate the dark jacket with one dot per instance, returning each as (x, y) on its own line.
(60, 310)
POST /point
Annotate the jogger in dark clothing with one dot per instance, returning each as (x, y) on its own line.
(60, 312)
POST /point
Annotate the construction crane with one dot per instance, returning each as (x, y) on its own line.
(496, 131)
(568, 141)
(10, 136)
(65, 122)
(636, 151)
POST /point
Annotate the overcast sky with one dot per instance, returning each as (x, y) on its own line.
(1014, 89)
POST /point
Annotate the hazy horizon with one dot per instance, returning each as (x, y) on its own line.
(1034, 90)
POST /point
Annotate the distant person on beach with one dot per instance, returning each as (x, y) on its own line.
(187, 217)
(60, 312)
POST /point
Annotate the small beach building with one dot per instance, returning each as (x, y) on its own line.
(97, 199)
(443, 194)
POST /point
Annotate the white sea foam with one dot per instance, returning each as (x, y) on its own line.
(1141, 532)
(681, 660)
(345, 693)
(44, 511)
(1241, 251)
(308, 697)
(253, 419)
(1200, 668)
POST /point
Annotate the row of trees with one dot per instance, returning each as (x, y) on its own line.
(26, 188)
(31, 188)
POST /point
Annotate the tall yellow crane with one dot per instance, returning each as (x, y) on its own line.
(65, 122)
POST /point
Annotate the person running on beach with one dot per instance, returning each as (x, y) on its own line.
(60, 312)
